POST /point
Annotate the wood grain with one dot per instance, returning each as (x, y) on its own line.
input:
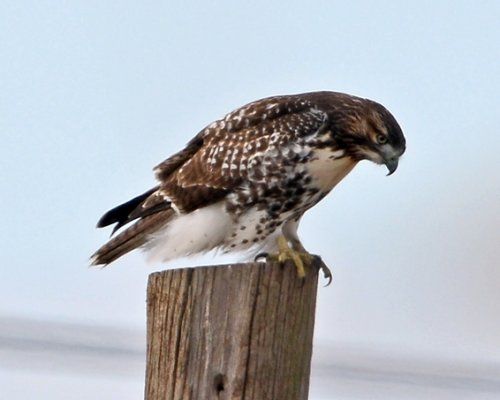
(239, 331)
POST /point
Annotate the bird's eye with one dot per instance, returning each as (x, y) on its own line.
(381, 139)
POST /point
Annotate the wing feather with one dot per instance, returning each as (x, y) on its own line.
(218, 160)
(225, 149)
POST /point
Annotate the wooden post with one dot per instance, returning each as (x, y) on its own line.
(239, 332)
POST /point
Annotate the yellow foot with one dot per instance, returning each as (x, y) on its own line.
(300, 259)
(286, 253)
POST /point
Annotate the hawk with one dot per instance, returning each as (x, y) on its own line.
(244, 182)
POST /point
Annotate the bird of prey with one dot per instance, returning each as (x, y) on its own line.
(244, 182)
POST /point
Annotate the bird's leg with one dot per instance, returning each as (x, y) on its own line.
(287, 253)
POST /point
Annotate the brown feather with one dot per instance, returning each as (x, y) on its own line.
(252, 157)
(167, 167)
(203, 173)
(131, 238)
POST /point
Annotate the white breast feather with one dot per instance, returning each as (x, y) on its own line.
(326, 171)
(196, 232)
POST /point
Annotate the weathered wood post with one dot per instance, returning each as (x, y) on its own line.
(239, 332)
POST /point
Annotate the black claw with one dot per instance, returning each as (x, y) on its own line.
(263, 255)
(327, 274)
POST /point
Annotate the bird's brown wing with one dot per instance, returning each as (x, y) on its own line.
(212, 165)
(227, 148)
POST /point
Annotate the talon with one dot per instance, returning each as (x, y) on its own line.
(327, 274)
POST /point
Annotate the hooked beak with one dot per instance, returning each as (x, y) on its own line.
(392, 164)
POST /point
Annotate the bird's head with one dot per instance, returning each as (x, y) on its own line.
(366, 130)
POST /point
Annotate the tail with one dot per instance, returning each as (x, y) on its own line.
(131, 238)
(121, 214)
(152, 212)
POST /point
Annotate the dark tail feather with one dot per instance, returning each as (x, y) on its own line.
(121, 213)
(131, 238)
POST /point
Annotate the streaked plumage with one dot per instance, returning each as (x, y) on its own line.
(250, 176)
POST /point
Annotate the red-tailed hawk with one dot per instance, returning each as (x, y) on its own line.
(244, 182)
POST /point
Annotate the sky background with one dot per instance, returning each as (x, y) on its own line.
(94, 94)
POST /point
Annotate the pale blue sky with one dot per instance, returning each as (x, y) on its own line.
(93, 94)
